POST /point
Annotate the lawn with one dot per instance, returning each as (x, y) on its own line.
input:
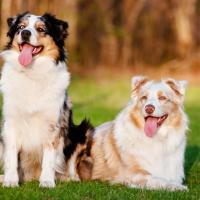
(100, 101)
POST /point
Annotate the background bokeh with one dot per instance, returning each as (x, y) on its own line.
(156, 37)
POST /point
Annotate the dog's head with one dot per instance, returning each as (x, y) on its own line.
(158, 103)
(32, 36)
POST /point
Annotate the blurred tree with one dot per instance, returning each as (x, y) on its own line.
(6, 6)
(184, 18)
(131, 10)
(119, 32)
(90, 28)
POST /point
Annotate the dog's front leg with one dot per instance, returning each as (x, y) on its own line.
(47, 177)
(11, 177)
(151, 182)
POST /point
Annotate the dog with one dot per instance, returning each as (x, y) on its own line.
(144, 146)
(38, 124)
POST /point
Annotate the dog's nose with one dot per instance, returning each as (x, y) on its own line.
(25, 35)
(149, 108)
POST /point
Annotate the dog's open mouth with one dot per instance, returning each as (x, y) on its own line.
(27, 51)
(152, 124)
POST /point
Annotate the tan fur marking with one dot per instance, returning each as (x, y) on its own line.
(40, 24)
(15, 46)
(139, 85)
(56, 142)
(107, 159)
(138, 170)
(160, 93)
(50, 48)
(173, 87)
(114, 147)
(177, 121)
(84, 167)
(135, 119)
(176, 117)
(30, 166)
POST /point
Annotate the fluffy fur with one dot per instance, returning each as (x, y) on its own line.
(123, 152)
(36, 109)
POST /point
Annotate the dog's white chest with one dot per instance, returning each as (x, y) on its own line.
(34, 88)
(161, 159)
(33, 99)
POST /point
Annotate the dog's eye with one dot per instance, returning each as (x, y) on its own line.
(21, 27)
(40, 30)
(162, 98)
(143, 98)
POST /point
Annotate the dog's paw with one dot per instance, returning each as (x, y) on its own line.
(47, 184)
(135, 186)
(10, 180)
(175, 187)
(47, 180)
(10, 184)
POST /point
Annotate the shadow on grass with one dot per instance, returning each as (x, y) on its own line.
(192, 160)
(191, 157)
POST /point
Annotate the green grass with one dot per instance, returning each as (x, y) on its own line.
(100, 101)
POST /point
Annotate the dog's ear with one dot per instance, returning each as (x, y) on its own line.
(178, 87)
(11, 21)
(58, 28)
(136, 83)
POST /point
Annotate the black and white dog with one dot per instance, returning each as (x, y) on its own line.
(38, 131)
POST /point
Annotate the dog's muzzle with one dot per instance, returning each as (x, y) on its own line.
(149, 108)
(25, 34)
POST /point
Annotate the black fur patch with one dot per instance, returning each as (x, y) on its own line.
(74, 134)
(13, 28)
(77, 135)
(57, 29)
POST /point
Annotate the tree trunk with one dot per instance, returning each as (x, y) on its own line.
(184, 25)
(5, 13)
(131, 10)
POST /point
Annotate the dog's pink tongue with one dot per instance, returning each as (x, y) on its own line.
(25, 57)
(150, 126)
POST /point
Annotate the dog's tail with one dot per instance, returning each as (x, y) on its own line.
(78, 134)
(78, 142)
(84, 158)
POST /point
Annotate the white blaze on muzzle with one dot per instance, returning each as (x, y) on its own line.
(154, 116)
(27, 50)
